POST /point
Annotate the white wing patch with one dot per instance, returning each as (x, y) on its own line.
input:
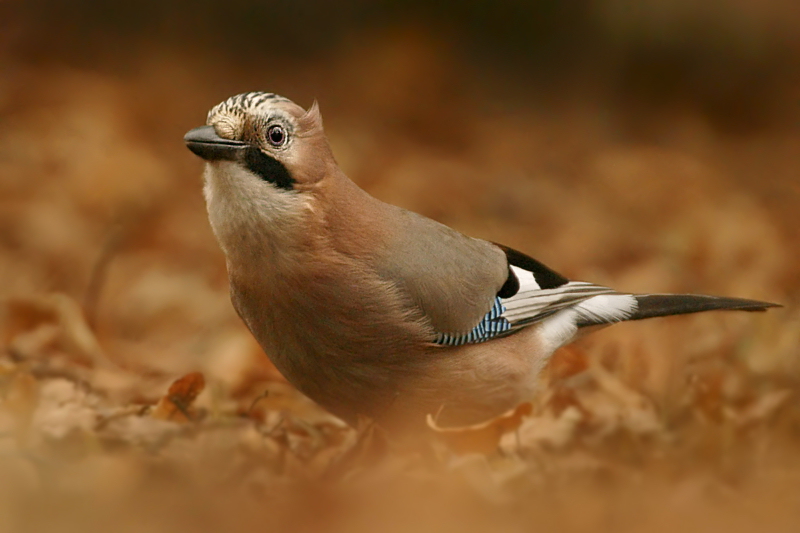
(561, 328)
(526, 280)
(606, 309)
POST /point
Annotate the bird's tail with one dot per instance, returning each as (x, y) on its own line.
(655, 305)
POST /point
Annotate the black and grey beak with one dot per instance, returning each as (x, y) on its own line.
(205, 142)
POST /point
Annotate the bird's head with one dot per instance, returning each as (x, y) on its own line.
(265, 138)
(266, 159)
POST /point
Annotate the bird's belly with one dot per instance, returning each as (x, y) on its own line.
(389, 370)
(472, 383)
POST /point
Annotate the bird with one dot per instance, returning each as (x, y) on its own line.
(374, 311)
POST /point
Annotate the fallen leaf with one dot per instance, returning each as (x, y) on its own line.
(568, 361)
(36, 328)
(23, 314)
(35, 342)
(484, 437)
(761, 409)
(370, 444)
(553, 431)
(19, 401)
(176, 404)
(64, 408)
(637, 413)
(280, 396)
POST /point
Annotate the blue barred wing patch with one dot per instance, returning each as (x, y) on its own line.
(492, 325)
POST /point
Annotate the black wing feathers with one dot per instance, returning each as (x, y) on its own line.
(545, 276)
(510, 287)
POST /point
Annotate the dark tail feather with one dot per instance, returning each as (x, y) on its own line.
(653, 305)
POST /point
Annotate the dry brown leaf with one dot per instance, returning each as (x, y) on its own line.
(637, 412)
(558, 398)
(36, 342)
(280, 396)
(761, 409)
(555, 432)
(18, 403)
(481, 438)
(567, 361)
(176, 405)
(370, 444)
(23, 314)
(34, 328)
(64, 408)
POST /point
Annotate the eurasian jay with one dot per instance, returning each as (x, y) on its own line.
(373, 310)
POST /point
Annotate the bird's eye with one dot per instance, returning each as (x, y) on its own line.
(276, 135)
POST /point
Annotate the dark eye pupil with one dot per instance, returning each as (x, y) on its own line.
(276, 135)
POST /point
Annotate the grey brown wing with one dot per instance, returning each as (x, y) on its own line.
(532, 293)
(451, 277)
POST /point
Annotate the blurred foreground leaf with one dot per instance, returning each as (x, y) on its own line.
(481, 438)
(176, 405)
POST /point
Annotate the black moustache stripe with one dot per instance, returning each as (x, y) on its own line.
(268, 168)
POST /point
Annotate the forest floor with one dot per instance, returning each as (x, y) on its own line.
(133, 399)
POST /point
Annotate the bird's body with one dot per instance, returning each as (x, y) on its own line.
(373, 310)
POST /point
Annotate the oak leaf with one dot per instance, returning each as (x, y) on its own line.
(176, 405)
(484, 437)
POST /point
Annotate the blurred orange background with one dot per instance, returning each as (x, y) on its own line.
(652, 147)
